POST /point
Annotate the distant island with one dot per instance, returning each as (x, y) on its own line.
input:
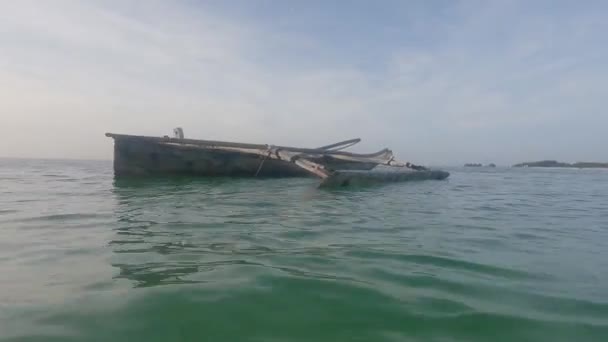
(554, 163)
(478, 165)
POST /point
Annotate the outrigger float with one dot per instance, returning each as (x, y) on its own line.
(136, 155)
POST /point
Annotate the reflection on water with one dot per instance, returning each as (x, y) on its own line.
(177, 230)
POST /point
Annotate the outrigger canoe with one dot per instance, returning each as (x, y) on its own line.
(136, 155)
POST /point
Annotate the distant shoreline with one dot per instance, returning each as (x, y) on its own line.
(479, 165)
(553, 163)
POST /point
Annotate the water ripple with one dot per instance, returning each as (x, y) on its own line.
(506, 254)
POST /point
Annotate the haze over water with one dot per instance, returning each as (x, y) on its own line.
(488, 255)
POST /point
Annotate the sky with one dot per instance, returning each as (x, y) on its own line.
(438, 82)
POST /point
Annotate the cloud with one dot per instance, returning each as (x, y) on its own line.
(467, 81)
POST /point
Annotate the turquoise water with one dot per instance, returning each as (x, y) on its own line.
(488, 255)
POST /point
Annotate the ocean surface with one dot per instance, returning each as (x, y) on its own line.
(487, 255)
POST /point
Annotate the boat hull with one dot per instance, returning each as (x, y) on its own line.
(140, 156)
(363, 178)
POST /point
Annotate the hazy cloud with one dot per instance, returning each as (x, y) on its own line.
(439, 83)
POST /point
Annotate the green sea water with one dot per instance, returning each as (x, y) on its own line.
(487, 255)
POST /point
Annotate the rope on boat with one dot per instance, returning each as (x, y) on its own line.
(262, 163)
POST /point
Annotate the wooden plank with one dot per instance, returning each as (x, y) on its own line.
(308, 165)
(385, 158)
(382, 155)
(340, 145)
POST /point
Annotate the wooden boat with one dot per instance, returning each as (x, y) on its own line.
(144, 155)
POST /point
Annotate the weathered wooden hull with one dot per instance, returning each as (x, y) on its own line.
(140, 156)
